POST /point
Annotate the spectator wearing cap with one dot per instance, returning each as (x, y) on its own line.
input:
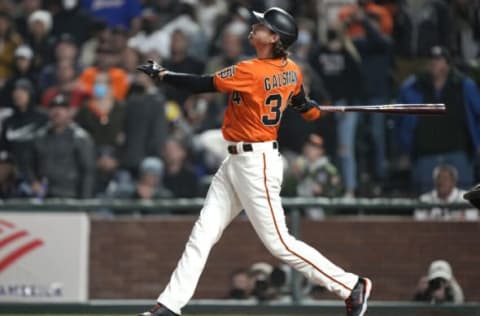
(23, 69)
(439, 285)
(453, 138)
(38, 37)
(63, 160)
(19, 130)
(10, 41)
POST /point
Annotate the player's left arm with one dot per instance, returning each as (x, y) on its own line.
(305, 106)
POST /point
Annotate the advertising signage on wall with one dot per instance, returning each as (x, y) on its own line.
(44, 257)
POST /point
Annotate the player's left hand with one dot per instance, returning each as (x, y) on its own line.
(152, 69)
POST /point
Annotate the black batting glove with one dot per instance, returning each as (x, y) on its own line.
(152, 69)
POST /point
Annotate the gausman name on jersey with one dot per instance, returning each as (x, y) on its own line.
(280, 79)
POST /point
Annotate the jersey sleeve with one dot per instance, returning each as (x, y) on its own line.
(238, 77)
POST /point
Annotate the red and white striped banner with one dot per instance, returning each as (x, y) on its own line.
(44, 257)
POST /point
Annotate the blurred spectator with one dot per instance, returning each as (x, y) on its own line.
(144, 40)
(160, 40)
(338, 63)
(66, 83)
(318, 177)
(10, 41)
(104, 118)
(238, 18)
(18, 131)
(129, 60)
(260, 273)
(445, 191)
(117, 78)
(8, 176)
(70, 18)
(23, 69)
(241, 285)
(210, 145)
(426, 140)
(25, 8)
(180, 177)
(302, 47)
(294, 130)
(146, 126)
(119, 40)
(354, 15)
(439, 285)
(63, 162)
(149, 185)
(123, 13)
(231, 52)
(420, 25)
(39, 39)
(64, 49)
(370, 26)
(465, 29)
(180, 61)
(207, 12)
(101, 115)
(98, 39)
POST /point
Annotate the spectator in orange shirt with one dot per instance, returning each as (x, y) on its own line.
(352, 15)
(106, 61)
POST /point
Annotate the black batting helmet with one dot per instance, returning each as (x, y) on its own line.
(280, 22)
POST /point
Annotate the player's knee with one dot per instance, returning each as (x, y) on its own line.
(278, 249)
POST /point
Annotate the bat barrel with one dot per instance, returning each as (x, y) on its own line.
(417, 109)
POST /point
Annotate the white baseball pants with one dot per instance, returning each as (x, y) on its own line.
(250, 181)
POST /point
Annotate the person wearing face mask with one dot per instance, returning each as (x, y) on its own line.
(106, 63)
(103, 118)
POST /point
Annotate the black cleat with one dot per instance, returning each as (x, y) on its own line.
(356, 303)
(158, 310)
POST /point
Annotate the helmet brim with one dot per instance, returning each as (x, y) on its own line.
(261, 19)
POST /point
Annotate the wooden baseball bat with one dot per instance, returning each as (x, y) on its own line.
(416, 109)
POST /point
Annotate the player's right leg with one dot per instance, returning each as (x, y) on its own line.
(220, 208)
(259, 178)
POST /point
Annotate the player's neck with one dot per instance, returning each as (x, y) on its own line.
(264, 52)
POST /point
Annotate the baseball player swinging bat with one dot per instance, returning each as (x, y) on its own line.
(416, 109)
(250, 178)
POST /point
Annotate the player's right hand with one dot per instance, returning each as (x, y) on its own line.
(152, 69)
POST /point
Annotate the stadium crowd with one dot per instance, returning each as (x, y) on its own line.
(77, 120)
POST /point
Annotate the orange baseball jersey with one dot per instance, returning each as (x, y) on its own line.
(260, 90)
